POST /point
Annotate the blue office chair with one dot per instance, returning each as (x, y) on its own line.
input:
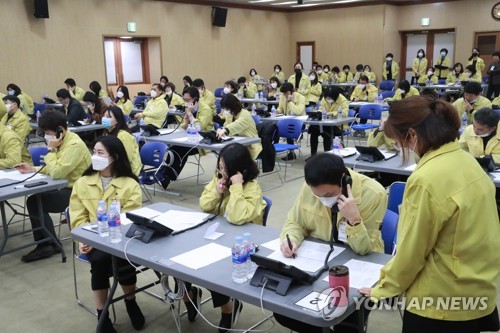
(38, 154)
(347, 132)
(388, 94)
(370, 112)
(485, 79)
(140, 101)
(396, 191)
(39, 107)
(290, 129)
(387, 85)
(389, 230)
(126, 118)
(269, 203)
(219, 92)
(152, 155)
(217, 106)
(256, 119)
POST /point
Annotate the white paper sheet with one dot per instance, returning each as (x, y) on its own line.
(411, 167)
(178, 220)
(16, 175)
(164, 131)
(388, 154)
(146, 212)
(311, 301)
(495, 175)
(212, 233)
(362, 273)
(203, 256)
(345, 152)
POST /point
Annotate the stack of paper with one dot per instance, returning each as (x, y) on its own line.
(177, 220)
(203, 256)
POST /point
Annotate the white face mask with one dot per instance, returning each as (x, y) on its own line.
(99, 163)
(473, 101)
(153, 93)
(277, 70)
(467, 73)
(326, 70)
(367, 70)
(443, 54)
(274, 85)
(312, 77)
(420, 55)
(319, 71)
(346, 70)
(362, 86)
(329, 100)
(227, 90)
(48, 137)
(119, 94)
(483, 135)
(168, 92)
(11, 92)
(252, 74)
(201, 92)
(388, 58)
(226, 112)
(8, 107)
(429, 73)
(328, 201)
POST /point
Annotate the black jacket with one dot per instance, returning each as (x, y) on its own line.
(74, 112)
(268, 134)
(494, 73)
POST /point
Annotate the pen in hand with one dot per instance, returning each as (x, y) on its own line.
(290, 245)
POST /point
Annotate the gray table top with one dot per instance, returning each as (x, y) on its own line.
(328, 122)
(76, 129)
(179, 138)
(18, 190)
(217, 276)
(170, 112)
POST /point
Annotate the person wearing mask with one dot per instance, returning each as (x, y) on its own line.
(156, 110)
(96, 88)
(443, 64)
(273, 92)
(12, 149)
(470, 74)
(230, 87)
(476, 61)
(291, 102)
(197, 113)
(315, 91)
(377, 138)
(418, 66)
(75, 91)
(429, 78)
(441, 252)
(456, 75)
(331, 103)
(371, 75)
(96, 107)
(15, 120)
(26, 105)
(238, 122)
(123, 100)
(346, 75)
(188, 82)
(235, 193)
(108, 178)
(328, 73)
(114, 123)
(255, 78)
(3, 109)
(299, 81)
(171, 97)
(404, 91)
(481, 138)
(73, 109)
(206, 95)
(164, 80)
(322, 77)
(359, 72)
(334, 200)
(68, 158)
(493, 72)
(364, 91)
(390, 68)
(471, 102)
(246, 89)
(338, 76)
(278, 73)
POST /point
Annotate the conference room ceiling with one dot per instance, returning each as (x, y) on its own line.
(293, 5)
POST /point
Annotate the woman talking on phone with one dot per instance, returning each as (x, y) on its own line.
(447, 247)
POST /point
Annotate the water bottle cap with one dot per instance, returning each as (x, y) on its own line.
(238, 239)
(247, 235)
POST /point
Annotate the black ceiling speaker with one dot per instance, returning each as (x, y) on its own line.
(41, 9)
(219, 16)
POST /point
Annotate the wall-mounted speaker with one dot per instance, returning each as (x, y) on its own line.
(41, 8)
(219, 16)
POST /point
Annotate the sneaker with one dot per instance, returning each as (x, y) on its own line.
(192, 310)
(225, 320)
(41, 252)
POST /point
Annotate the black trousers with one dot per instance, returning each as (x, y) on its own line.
(493, 91)
(52, 202)
(328, 134)
(218, 299)
(101, 270)
(413, 323)
(179, 161)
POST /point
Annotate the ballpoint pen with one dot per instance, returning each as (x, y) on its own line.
(290, 245)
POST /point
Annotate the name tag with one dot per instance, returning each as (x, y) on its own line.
(9, 126)
(342, 232)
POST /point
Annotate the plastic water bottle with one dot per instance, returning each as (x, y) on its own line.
(102, 219)
(239, 258)
(273, 112)
(464, 121)
(38, 115)
(115, 233)
(457, 81)
(337, 145)
(141, 121)
(339, 113)
(190, 133)
(323, 112)
(250, 249)
(238, 95)
(380, 99)
(253, 110)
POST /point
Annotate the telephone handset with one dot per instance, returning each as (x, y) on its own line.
(243, 173)
(344, 181)
(59, 132)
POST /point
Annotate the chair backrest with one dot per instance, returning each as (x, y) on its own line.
(153, 153)
(371, 111)
(290, 128)
(351, 113)
(218, 92)
(216, 126)
(139, 100)
(39, 107)
(387, 94)
(396, 191)
(256, 119)
(38, 154)
(218, 108)
(126, 118)
(269, 203)
(389, 229)
(387, 85)
(441, 81)
(485, 79)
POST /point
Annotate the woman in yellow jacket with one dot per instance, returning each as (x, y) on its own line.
(96, 88)
(328, 73)
(113, 121)
(390, 68)
(273, 90)
(470, 74)
(300, 81)
(26, 104)
(364, 91)
(109, 178)
(255, 79)
(235, 194)
(15, 119)
(346, 76)
(338, 76)
(428, 79)
(443, 64)
(371, 75)
(418, 66)
(278, 73)
(476, 61)
(123, 100)
(11, 149)
(316, 89)
(481, 138)
(443, 259)
(456, 75)
(404, 91)
(156, 110)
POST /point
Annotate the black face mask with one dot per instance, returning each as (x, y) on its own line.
(298, 70)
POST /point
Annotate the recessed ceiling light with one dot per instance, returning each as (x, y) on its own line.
(126, 37)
